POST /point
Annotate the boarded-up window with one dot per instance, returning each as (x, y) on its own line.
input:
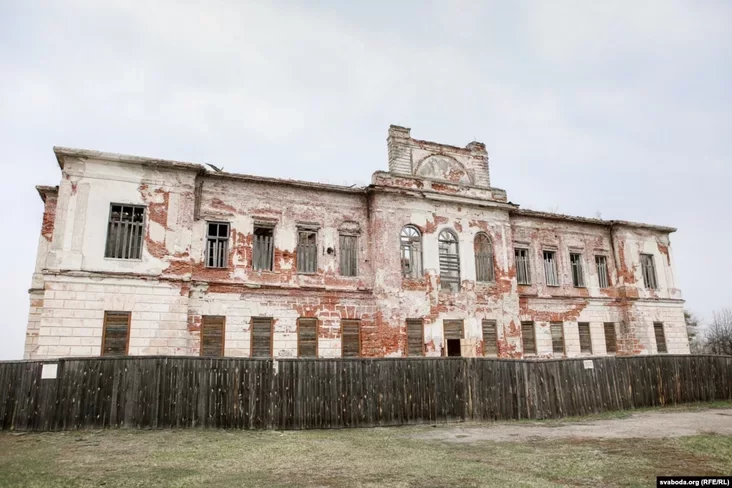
(415, 337)
(528, 337)
(411, 249)
(263, 255)
(557, 329)
(602, 272)
(610, 340)
(453, 330)
(585, 337)
(449, 261)
(523, 269)
(212, 335)
(351, 338)
(660, 338)
(483, 258)
(116, 333)
(578, 273)
(648, 267)
(550, 268)
(490, 338)
(261, 337)
(124, 231)
(217, 244)
(349, 255)
(307, 337)
(307, 251)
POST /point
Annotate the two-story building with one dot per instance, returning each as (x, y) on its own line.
(142, 256)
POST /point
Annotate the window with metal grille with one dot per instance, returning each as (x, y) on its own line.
(453, 330)
(490, 338)
(349, 255)
(578, 274)
(649, 271)
(523, 268)
(125, 230)
(483, 247)
(261, 337)
(116, 333)
(449, 261)
(610, 340)
(411, 248)
(307, 251)
(602, 273)
(212, 335)
(217, 244)
(660, 338)
(415, 337)
(550, 268)
(263, 254)
(351, 338)
(557, 330)
(307, 337)
(528, 337)
(585, 337)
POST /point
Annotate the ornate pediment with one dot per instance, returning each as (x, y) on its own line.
(441, 167)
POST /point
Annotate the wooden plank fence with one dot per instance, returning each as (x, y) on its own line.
(240, 393)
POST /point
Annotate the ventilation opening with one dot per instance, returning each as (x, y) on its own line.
(453, 347)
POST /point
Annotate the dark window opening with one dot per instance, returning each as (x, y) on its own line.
(449, 261)
(307, 251)
(349, 255)
(217, 244)
(263, 254)
(660, 338)
(411, 249)
(585, 337)
(523, 268)
(453, 348)
(648, 267)
(557, 330)
(603, 277)
(550, 268)
(578, 274)
(125, 231)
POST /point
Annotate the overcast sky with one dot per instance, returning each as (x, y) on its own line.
(622, 108)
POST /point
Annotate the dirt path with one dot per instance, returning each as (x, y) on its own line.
(652, 424)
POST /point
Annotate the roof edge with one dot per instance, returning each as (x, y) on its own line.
(62, 152)
(589, 220)
(46, 190)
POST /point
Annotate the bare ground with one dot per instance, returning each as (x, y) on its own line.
(648, 425)
(613, 449)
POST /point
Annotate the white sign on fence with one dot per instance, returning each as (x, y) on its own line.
(49, 370)
(588, 364)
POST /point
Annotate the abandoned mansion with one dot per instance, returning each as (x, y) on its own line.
(141, 256)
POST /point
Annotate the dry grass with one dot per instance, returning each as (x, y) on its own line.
(394, 457)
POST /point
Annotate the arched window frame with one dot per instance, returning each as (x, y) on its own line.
(449, 251)
(484, 258)
(410, 244)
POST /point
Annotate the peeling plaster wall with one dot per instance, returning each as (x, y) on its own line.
(169, 290)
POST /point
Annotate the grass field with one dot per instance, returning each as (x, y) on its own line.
(364, 457)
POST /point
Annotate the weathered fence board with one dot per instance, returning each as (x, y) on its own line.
(240, 393)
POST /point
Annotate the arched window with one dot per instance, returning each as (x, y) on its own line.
(483, 258)
(449, 261)
(411, 246)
